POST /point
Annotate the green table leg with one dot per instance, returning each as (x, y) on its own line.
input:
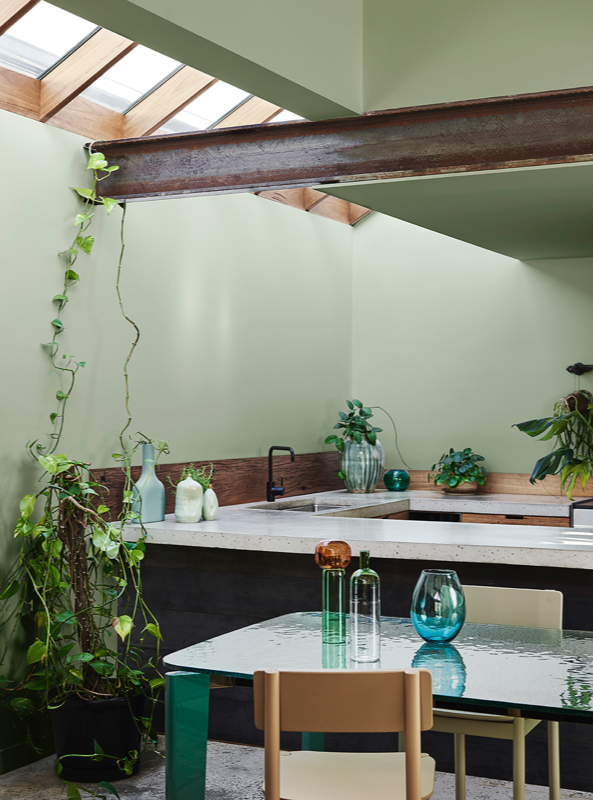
(311, 741)
(186, 728)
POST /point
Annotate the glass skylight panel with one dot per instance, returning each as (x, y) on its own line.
(207, 109)
(131, 78)
(286, 116)
(41, 38)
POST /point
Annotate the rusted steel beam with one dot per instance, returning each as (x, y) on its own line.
(496, 133)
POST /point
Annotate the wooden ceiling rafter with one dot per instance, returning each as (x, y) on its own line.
(12, 10)
(57, 100)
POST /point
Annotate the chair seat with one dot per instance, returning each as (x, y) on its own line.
(312, 775)
(494, 726)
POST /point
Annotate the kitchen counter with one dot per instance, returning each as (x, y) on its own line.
(262, 527)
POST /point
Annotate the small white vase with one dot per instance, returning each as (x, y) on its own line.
(210, 507)
(188, 501)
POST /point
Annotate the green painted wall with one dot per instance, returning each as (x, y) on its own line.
(275, 49)
(244, 306)
(458, 343)
(428, 51)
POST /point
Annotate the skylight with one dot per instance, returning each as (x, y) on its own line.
(207, 109)
(286, 116)
(131, 78)
(42, 38)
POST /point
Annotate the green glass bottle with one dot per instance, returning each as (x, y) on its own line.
(333, 590)
(365, 612)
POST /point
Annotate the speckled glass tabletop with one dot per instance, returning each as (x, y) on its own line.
(498, 665)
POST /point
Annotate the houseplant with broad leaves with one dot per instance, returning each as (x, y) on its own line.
(361, 454)
(571, 425)
(75, 590)
(458, 471)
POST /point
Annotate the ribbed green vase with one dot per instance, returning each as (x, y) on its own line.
(362, 464)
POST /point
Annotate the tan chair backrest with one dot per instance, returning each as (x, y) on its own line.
(526, 608)
(343, 700)
(339, 700)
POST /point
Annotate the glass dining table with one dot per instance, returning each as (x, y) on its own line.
(546, 674)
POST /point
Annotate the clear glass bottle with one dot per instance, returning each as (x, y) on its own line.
(333, 555)
(365, 612)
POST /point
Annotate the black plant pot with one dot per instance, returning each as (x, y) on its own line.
(110, 722)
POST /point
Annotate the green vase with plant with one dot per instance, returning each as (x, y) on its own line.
(361, 454)
(458, 471)
(571, 424)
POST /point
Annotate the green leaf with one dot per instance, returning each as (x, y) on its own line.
(61, 395)
(104, 668)
(109, 202)
(350, 405)
(72, 276)
(80, 219)
(340, 445)
(98, 751)
(86, 244)
(58, 325)
(27, 506)
(102, 509)
(357, 437)
(341, 475)
(60, 298)
(88, 194)
(357, 403)
(96, 161)
(22, 704)
(372, 437)
(123, 625)
(66, 617)
(331, 439)
(36, 652)
(10, 590)
(72, 792)
(106, 785)
(156, 682)
(76, 675)
(154, 629)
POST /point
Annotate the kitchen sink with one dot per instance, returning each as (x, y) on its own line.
(311, 508)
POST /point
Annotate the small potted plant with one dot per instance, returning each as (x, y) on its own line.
(458, 471)
(361, 453)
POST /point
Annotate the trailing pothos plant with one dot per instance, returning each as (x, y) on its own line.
(75, 570)
(571, 425)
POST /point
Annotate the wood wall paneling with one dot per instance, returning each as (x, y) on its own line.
(12, 10)
(238, 480)
(166, 101)
(80, 69)
(506, 483)
(19, 93)
(512, 519)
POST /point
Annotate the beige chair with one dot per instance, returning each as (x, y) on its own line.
(534, 608)
(345, 701)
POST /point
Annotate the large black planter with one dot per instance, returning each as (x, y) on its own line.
(109, 722)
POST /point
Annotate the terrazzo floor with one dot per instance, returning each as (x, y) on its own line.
(235, 772)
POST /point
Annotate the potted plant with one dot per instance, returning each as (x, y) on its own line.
(572, 425)
(458, 471)
(361, 453)
(74, 593)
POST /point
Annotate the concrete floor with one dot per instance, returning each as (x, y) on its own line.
(235, 772)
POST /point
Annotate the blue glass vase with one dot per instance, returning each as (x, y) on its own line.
(446, 665)
(148, 492)
(396, 480)
(438, 605)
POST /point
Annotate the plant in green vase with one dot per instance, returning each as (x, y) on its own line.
(572, 425)
(459, 470)
(361, 453)
(76, 589)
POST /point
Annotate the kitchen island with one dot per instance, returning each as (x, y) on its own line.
(256, 562)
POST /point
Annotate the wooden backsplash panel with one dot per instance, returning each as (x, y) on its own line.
(238, 480)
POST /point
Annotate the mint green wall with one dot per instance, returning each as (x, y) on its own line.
(458, 343)
(429, 51)
(244, 306)
(275, 49)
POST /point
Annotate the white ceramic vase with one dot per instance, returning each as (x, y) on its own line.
(188, 501)
(210, 507)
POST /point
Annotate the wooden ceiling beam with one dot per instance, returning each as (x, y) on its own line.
(12, 10)
(166, 101)
(76, 73)
(19, 93)
(254, 111)
(327, 207)
(494, 133)
(89, 119)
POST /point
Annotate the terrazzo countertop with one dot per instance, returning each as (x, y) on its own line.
(263, 526)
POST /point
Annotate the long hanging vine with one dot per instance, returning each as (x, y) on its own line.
(74, 566)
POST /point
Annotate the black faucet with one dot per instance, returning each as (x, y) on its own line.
(273, 491)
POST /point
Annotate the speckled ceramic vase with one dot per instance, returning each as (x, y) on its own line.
(362, 464)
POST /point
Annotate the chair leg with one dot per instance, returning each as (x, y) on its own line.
(554, 760)
(459, 766)
(519, 759)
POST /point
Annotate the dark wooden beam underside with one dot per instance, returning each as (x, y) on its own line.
(496, 133)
